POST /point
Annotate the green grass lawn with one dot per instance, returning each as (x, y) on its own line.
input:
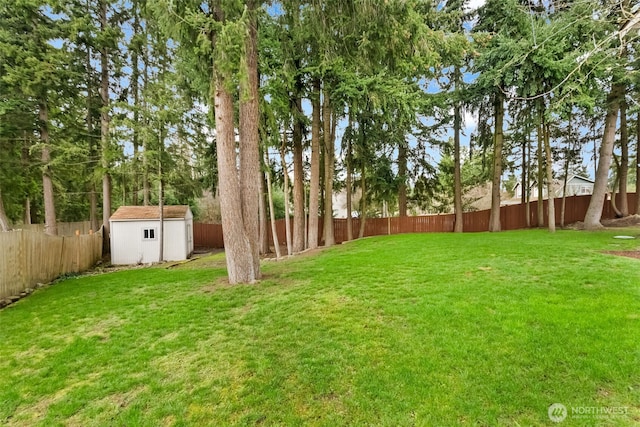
(424, 329)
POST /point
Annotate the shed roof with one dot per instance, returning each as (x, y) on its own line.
(149, 212)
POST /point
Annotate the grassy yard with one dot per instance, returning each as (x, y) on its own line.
(431, 329)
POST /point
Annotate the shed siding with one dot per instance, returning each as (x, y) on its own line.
(175, 241)
(129, 247)
(189, 234)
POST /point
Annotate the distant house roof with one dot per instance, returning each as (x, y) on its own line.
(572, 179)
(580, 178)
(149, 212)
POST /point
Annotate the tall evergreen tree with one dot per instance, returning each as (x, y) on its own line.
(499, 27)
(213, 43)
(32, 70)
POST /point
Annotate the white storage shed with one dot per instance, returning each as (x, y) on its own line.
(135, 234)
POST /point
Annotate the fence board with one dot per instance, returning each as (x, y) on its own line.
(31, 257)
(9, 260)
(207, 235)
(64, 228)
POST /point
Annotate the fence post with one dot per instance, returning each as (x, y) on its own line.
(24, 279)
(77, 270)
(61, 270)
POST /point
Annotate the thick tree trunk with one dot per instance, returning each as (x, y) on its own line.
(314, 184)
(50, 227)
(594, 211)
(624, 158)
(240, 251)
(4, 220)
(494, 218)
(402, 176)
(249, 141)
(240, 265)
(551, 209)
(329, 239)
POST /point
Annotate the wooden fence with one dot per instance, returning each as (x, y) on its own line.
(64, 228)
(512, 217)
(31, 257)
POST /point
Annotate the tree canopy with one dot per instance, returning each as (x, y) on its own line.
(104, 100)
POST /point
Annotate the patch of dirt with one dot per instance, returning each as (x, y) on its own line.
(630, 221)
(627, 221)
(628, 254)
(169, 420)
(102, 329)
(209, 288)
(222, 283)
(283, 251)
(579, 225)
(201, 260)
